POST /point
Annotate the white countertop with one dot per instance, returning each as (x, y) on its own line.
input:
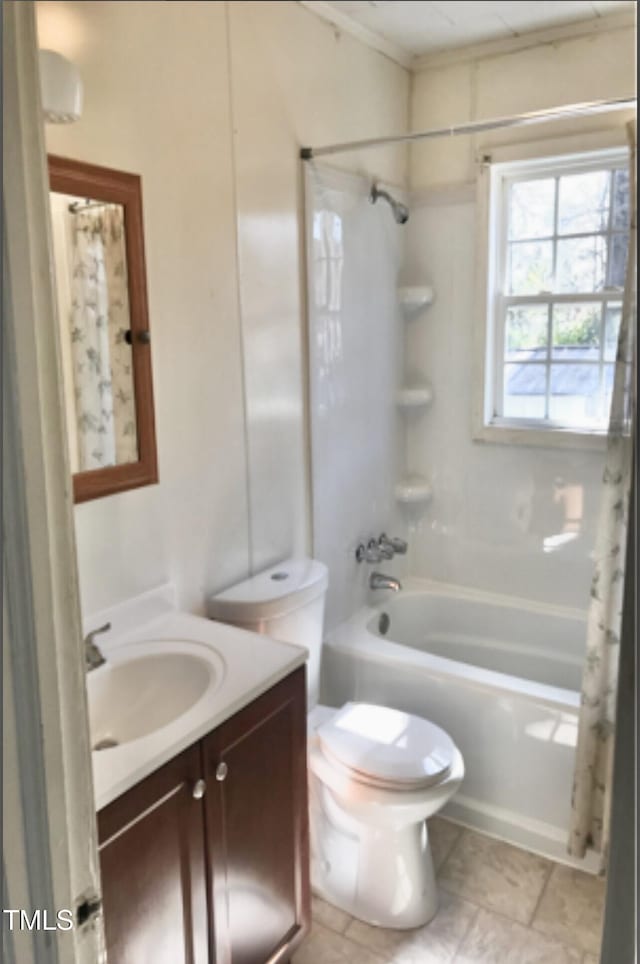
(248, 663)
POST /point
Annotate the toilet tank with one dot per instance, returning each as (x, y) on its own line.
(285, 602)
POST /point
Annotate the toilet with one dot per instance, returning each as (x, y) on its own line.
(375, 773)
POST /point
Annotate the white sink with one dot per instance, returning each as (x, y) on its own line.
(169, 679)
(146, 686)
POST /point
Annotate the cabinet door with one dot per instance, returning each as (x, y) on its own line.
(152, 862)
(257, 827)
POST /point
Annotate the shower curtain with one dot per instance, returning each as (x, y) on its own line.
(102, 359)
(591, 798)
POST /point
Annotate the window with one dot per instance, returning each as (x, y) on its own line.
(559, 232)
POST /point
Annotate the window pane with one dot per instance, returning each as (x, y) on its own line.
(583, 202)
(618, 260)
(621, 199)
(581, 264)
(576, 332)
(524, 391)
(531, 208)
(526, 332)
(612, 317)
(530, 267)
(575, 394)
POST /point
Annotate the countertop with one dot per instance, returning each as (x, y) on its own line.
(251, 664)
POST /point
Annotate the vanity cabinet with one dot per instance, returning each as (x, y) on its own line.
(206, 860)
(153, 868)
(256, 820)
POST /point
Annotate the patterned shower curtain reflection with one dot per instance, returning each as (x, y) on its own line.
(102, 359)
(591, 799)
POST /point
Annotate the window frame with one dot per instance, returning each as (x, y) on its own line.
(497, 171)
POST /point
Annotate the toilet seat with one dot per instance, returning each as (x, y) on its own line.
(386, 748)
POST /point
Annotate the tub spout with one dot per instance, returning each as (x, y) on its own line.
(378, 580)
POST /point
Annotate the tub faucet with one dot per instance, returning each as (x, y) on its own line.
(92, 655)
(378, 580)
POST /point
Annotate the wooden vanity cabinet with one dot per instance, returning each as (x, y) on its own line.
(151, 844)
(255, 766)
(220, 877)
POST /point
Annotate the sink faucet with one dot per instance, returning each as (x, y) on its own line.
(378, 580)
(92, 655)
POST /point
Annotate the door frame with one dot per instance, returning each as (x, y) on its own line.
(49, 821)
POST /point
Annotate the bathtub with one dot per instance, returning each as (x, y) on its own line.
(500, 675)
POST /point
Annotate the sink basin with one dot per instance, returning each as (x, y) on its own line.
(145, 687)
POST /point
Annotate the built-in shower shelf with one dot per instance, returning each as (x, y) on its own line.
(414, 297)
(413, 490)
(411, 398)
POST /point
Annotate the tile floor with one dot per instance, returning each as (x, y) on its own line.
(497, 904)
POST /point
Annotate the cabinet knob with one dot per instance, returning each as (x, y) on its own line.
(142, 337)
(199, 788)
(221, 771)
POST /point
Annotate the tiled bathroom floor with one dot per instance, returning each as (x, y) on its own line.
(497, 904)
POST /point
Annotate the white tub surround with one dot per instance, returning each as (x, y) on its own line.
(236, 667)
(503, 519)
(501, 676)
(354, 254)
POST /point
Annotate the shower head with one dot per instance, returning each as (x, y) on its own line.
(400, 211)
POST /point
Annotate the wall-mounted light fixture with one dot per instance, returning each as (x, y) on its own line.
(60, 88)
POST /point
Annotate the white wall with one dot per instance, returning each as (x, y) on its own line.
(157, 103)
(548, 74)
(493, 505)
(209, 103)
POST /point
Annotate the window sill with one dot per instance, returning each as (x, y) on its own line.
(554, 438)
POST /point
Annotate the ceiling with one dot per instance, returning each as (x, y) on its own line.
(419, 28)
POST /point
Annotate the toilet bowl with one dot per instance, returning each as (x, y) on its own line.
(375, 773)
(369, 801)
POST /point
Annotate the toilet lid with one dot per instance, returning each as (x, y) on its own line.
(385, 747)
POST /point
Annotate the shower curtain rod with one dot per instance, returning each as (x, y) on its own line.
(474, 127)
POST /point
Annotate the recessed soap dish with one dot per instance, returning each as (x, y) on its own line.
(413, 298)
(413, 397)
(413, 490)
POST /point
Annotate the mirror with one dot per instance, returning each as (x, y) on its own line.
(98, 245)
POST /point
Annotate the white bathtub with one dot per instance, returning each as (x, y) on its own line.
(502, 676)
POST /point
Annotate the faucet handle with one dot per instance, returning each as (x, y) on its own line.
(369, 553)
(397, 545)
(385, 548)
(373, 553)
(93, 658)
(96, 632)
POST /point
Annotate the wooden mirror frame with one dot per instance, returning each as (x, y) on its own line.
(117, 187)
